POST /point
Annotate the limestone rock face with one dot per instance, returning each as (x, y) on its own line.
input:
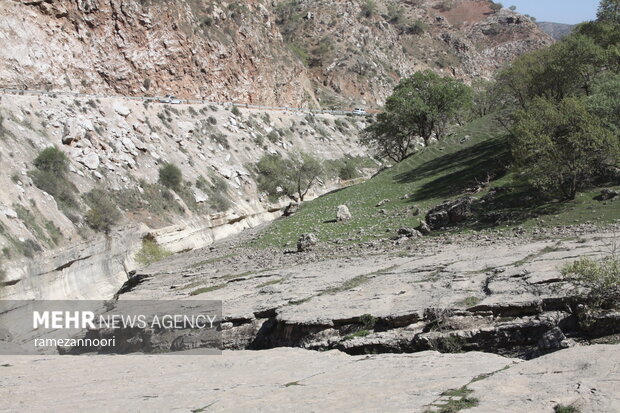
(240, 54)
(343, 213)
(287, 379)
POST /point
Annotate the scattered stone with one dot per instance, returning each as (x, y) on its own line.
(343, 213)
(383, 202)
(409, 232)
(306, 242)
(128, 145)
(401, 240)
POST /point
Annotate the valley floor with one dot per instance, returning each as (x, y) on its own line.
(296, 380)
(482, 322)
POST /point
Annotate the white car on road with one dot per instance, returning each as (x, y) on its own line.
(170, 99)
(359, 112)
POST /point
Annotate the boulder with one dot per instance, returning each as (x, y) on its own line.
(69, 138)
(343, 213)
(449, 213)
(554, 340)
(306, 242)
(383, 202)
(607, 194)
(423, 228)
(290, 209)
(200, 196)
(90, 160)
(437, 219)
(122, 109)
(128, 145)
(8, 212)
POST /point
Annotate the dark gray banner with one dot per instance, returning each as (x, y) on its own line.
(110, 327)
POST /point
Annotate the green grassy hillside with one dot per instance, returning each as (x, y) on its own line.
(442, 171)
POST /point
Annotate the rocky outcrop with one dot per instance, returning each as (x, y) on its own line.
(514, 302)
(449, 213)
(358, 55)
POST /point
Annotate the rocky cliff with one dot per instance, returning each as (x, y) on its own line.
(286, 52)
(115, 149)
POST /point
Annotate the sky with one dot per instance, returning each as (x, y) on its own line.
(556, 11)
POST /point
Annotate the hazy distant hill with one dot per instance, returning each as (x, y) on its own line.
(555, 30)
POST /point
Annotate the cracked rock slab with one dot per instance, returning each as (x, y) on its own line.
(277, 380)
(586, 377)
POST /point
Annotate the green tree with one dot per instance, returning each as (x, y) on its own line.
(103, 213)
(564, 69)
(50, 176)
(52, 160)
(421, 106)
(170, 176)
(605, 34)
(605, 99)
(609, 11)
(289, 177)
(485, 100)
(561, 147)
